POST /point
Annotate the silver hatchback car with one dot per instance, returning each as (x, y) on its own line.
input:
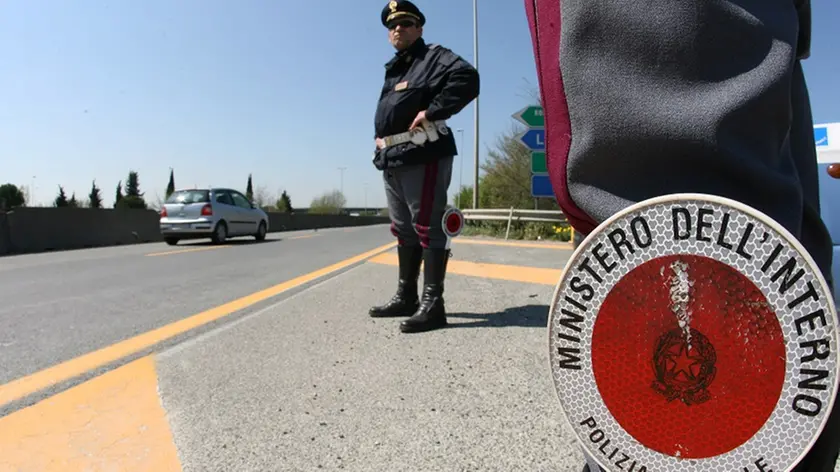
(215, 213)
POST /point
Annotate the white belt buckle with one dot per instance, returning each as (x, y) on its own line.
(431, 131)
(428, 131)
(418, 136)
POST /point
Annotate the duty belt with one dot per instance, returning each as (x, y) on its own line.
(428, 131)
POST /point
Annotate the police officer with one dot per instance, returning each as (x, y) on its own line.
(425, 84)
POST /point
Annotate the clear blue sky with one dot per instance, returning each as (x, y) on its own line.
(220, 89)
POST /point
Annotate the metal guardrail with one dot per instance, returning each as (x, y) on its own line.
(513, 214)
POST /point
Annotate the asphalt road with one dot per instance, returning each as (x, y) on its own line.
(301, 381)
(314, 384)
(57, 306)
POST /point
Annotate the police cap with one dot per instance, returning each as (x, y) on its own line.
(400, 9)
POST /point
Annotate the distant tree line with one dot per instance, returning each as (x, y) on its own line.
(131, 197)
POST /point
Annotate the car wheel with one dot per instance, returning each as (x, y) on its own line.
(220, 234)
(260, 236)
(171, 241)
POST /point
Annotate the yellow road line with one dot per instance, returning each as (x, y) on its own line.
(534, 275)
(483, 242)
(302, 237)
(113, 422)
(22, 387)
(181, 251)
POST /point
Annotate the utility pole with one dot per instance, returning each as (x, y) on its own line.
(475, 133)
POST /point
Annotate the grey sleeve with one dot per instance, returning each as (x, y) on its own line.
(643, 99)
(649, 98)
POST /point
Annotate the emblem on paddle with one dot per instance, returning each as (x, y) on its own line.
(693, 333)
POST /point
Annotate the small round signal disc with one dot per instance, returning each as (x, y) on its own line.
(453, 222)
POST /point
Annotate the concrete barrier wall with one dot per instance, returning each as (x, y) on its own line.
(294, 222)
(28, 230)
(4, 234)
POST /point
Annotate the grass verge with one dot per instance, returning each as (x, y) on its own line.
(526, 231)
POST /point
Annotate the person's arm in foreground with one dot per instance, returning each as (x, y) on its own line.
(644, 99)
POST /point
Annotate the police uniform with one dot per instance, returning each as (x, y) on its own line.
(705, 97)
(416, 166)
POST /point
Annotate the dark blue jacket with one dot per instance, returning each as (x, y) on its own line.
(422, 77)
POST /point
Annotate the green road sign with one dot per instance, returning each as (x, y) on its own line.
(531, 116)
(538, 163)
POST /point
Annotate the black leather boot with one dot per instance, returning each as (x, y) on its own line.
(405, 301)
(431, 314)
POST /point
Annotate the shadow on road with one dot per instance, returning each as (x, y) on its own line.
(528, 316)
(245, 241)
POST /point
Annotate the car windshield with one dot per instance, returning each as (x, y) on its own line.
(189, 196)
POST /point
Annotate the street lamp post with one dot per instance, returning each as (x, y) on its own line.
(460, 171)
(475, 144)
